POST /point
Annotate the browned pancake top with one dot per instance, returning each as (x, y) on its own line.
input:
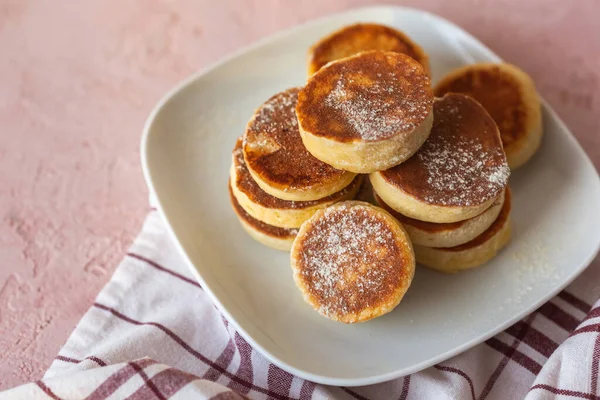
(362, 37)
(498, 224)
(368, 97)
(498, 92)
(273, 148)
(462, 163)
(269, 230)
(247, 185)
(431, 227)
(350, 260)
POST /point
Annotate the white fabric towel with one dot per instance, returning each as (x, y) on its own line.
(153, 311)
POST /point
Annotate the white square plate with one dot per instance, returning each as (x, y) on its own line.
(186, 152)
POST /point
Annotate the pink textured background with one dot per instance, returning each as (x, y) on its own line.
(78, 79)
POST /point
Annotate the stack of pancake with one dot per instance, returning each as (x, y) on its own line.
(452, 196)
(275, 184)
(437, 167)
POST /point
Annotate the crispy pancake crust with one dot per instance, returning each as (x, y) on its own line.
(456, 174)
(370, 96)
(509, 96)
(352, 262)
(272, 210)
(248, 186)
(357, 38)
(277, 159)
(367, 112)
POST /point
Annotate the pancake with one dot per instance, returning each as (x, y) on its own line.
(277, 159)
(271, 210)
(367, 112)
(357, 38)
(509, 96)
(473, 253)
(352, 262)
(457, 174)
(452, 234)
(269, 235)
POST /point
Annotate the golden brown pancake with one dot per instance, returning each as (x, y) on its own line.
(459, 171)
(352, 262)
(451, 234)
(269, 235)
(272, 210)
(366, 112)
(509, 96)
(357, 38)
(277, 159)
(492, 230)
(473, 253)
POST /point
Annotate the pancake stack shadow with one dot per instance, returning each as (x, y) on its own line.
(367, 125)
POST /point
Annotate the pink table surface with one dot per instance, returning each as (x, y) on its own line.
(78, 79)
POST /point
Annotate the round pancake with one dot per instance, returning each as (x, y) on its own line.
(473, 253)
(271, 210)
(509, 96)
(367, 112)
(352, 262)
(459, 171)
(277, 159)
(272, 236)
(432, 234)
(357, 38)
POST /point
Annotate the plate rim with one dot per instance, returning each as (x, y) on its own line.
(301, 373)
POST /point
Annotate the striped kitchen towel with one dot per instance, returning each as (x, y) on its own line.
(154, 333)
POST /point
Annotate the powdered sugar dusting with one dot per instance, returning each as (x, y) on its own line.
(351, 260)
(499, 176)
(277, 113)
(273, 147)
(376, 100)
(462, 163)
(457, 168)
